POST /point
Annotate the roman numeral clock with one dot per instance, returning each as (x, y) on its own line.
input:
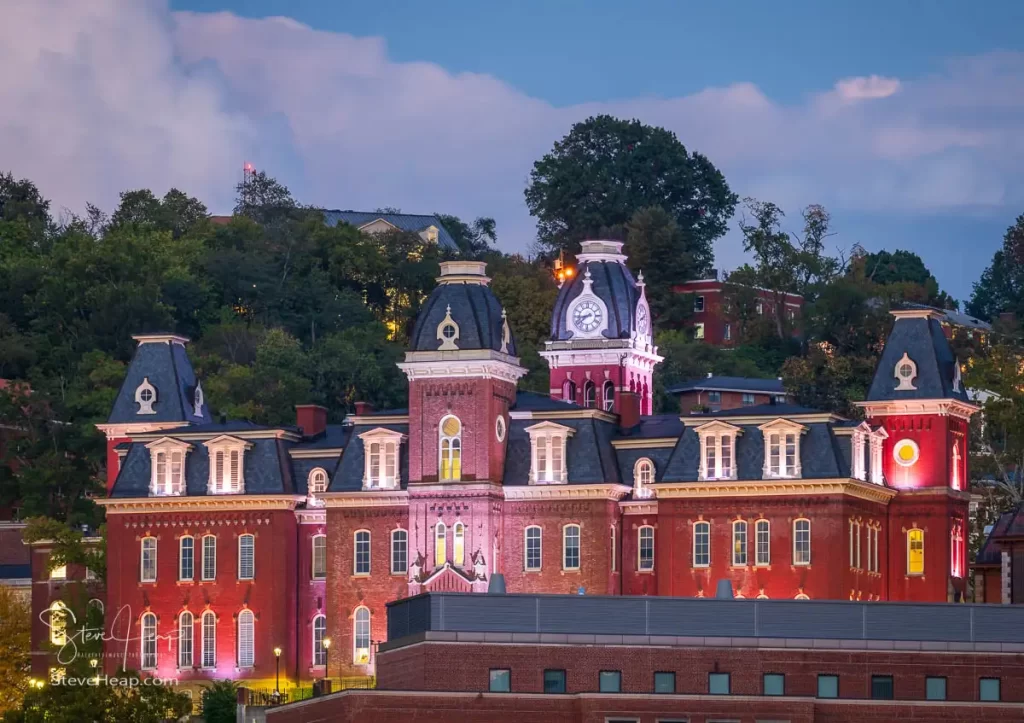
(588, 315)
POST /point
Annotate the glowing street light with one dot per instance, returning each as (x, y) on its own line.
(277, 681)
(327, 657)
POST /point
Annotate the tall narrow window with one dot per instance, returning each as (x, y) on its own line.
(645, 548)
(381, 466)
(226, 470)
(451, 448)
(185, 638)
(361, 636)
(859, 472)
(440, 544)
(915, 552)
(459, 544)
(319, 633)
(876, 456)
(782, 451)
(717, 456)
(874, 550)
(531, 551)
(853, 555)
(608, 396)
(319, 557)
(589, 394)
(168, 470)
(611, 531)
(571, 547)
(702, 544)
(209, 639)
(246, 639)
(58, 623)
(802, 542)
(955, 481)
(399, 552)
(148, 641)
(869, 540)
(209, 557)
(739, 543)
(186, 558)
(361, 563)
(643, 476)
(763, 553)
(856, 546)
(246, 557)
(147, 573)
(569, 391)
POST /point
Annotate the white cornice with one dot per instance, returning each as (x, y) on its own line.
(642, 356)
(134, 429)
(614, 492)
(651, 443)
(208, 503)
(311, 516)
(819, 417)
(566, 414)
(451, 365)
(316, 453)
(213, 435)
(900, 407)
(160, 339)
(775, 488)
(367, 498)
(377, 419)
(639, 507)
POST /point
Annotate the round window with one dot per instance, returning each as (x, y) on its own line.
(499, 428)
(451, 427)
(146, 395)
(448, 331)
(906, 371)
(906, 452)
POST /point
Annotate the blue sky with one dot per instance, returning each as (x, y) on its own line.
(904, 119)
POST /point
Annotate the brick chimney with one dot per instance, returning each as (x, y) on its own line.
(629, 409)
(311, 419)
(363, 408)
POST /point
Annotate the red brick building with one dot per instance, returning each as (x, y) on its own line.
(229, 540)
(718, 393)
(714, 318)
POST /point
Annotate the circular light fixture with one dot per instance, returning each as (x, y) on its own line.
(906, 452)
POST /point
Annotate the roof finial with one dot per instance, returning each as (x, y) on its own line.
(448, 310)
(640, 279)
(586, 273)
(504, 314)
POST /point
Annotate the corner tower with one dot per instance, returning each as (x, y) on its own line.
(601, 337)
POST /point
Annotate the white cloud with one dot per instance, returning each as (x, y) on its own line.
(867, 88)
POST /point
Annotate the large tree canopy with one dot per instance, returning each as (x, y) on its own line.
(1001, 287)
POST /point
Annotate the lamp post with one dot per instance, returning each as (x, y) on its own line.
(277, 673)
(327, 657)
(95, 662)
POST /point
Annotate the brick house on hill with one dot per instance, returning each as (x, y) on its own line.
(717, 393)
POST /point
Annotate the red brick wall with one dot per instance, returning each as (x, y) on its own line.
(930, 511)
(714, 317)
(730, 400)
(74, 592)
(312, 600)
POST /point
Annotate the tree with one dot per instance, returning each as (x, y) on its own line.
(999, 458)
(1001, 287)
(473, 239)
(69, 546)
(15, 648)
(903, 276)
(606, 169)
(263, 199)
(220, 702)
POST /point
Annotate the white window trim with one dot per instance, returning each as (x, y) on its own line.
(318, 648)
(240, 538)
(905, 383)
(451, 439)
(540, 548)
(228, 445)
(757, 528)
(181, 558)
(142, 559)
(312, 557)
(615, 565)
(146, 407)
(440, 535)
(459, 544)
(394, 535)
(810, 549)
(355, 553)
(736, 524)
(641, 489)
(57, 622)
(639, 544)
(252, 618)
(142, 642)
(167, 487)
(784, 428)
(203, 639)
(202, 572)
(712, 434)
(316, 472)
(579, 545)
(359, 657)
(858, 443)
(608, 400)
(384, 437)
(191, 639)
(707, 525)
(877, 439)
(549, 431)
(698, 331)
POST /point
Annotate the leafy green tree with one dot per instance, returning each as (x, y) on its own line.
(473, 239)
(1000, 453)
(1001, 287)
(69, 545)
(15, 648)
(220, 702)
(828, 381)
(902, 276)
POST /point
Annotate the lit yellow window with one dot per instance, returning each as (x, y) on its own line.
(58, 623)
(451, 449)
(440, 545)
(459, 543)
(915, 552)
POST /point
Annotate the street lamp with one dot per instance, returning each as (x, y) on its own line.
(327, 657)
(95, 662)
(277, 682)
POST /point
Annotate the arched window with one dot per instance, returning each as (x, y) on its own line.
(246, 557)
(702, 544)
(58, 623)
(569, 391)
(246, 639)
(532, 548)
(955, 481)
(319, 633)
(361, 561)
(739, 543)
(399, 552)
(763, 543)
(802, 542)
(459, 543)
(147, 569)
(319, 557)
(802, 596)
(915, 552)
(209, 557)
(209, 639)
(440, 544)
(645, 548)
(317, 481)
(643, 475)
(571, 547)
(186, 557)
(611, 532)
(608, 396)
(451, 448)
(148, 641)
(361, 636)
(185, 637)
(589, 394)
(94, 605)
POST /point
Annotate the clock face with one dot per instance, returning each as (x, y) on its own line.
(586, 316)
(641, 320)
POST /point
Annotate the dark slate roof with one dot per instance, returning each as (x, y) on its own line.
(589, 452)
(476, 310)
(534, 402)
(925, 343)
(334, 437)
(955, 317)
(765, 410)
(413, 222)
(730, 384)
(224, 428)
(169, 370)
(614, 285)
(14, 572)
(657, 425)
(348, 477)
(989, 552)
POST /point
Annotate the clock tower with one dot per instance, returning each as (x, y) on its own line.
(601, 339)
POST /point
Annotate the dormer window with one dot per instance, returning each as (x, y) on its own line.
(548, 442)
(380, 455)
(643, 476)
(906, 371)
(858, 442)
(782, 449)
(197, 401)
(448, 332)
(227, 465)
(877, 437)
(145, 397)
(317, 482)
(717, 450)
(167, 466)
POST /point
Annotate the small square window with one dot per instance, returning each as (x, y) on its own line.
(727, 334)
(698, 304)
(828, 686)
(698, 331)
(664, 682)
(610, 681)
(881, 687)
(748, 400)
(934, 688)
(714, 397)
(554, 681)
(774, 684)
(501, 680)
(718, 683)
(988, 689)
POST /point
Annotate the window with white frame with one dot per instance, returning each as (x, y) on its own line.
(645, 548)
(450, 441)
(167, 467)
(643, 476)
(702, 544)
(802, 542)
(877, 437)
(548, 442)
(59, 573)
(319, 571)
(148, 642)
(739, 543)
(608, 396)
(955, 463)
(874, 549)
(856, 545)
(319, 634)
(782, 449)
(459, 544)
(859, 438)
(747, 399)
(440, 544)
(532, 548)
(147, 568)
(399, 552)
(317, 482)
(361, 561)
(589, 394)
(246, 557)
(613, 550)
(762, 543)
(361, 636)
(571, 547)
(186, 557)
(698, 303)
(186, 626)
(58, 623)
(209, 557)
(227, 465)
(380, 459)
(717, 450)
(246, 639)
(209, 639)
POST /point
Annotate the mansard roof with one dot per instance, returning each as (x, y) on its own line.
(161, 359)
(612, 283)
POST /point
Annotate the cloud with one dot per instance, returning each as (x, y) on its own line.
(106, 95)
